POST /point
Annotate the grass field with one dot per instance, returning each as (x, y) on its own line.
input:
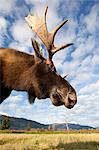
(75, 141)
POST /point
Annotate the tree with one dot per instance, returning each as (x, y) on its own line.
(29, 126)
(5, 123)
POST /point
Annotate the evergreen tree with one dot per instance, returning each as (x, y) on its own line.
(5, 123)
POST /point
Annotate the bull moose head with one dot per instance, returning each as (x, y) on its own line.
(34, 73)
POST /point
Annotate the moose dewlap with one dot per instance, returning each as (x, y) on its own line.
(34, 73)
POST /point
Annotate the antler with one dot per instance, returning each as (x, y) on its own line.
(39, 26)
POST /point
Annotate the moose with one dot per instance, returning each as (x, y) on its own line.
(34, 73)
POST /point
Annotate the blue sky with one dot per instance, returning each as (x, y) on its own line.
(81, 61)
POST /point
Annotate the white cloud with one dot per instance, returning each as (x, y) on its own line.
(93, 87)
(19, 46)
(95, 60)
(22, 36)
(21, 32)
(92, 20)
(3, 24)
(3, 113)
(6, 6)
(3, 29)
(84, 47)
(85, 112)
(88, 108)
(43, 3)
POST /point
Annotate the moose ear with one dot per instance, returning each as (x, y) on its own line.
(37, 49)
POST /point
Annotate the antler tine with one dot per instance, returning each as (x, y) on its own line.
(61, 47)
(45, 12)
(44, 21)
(57, 28)
(56, 49)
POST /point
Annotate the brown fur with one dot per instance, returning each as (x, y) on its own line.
(20, 71)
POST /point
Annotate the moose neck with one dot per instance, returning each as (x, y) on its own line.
(15, 69)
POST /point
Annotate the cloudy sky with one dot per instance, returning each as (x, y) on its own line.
(81, 61)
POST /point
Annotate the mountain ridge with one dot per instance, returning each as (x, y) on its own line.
(24, 124)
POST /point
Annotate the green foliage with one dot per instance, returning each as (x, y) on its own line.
(5, 123)
(50, 132)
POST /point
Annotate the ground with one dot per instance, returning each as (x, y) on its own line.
(66, 141)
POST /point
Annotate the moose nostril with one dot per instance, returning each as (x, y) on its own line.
(57, 96)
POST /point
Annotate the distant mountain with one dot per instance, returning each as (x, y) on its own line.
(97, 127)
(70, 126)
(24, 124)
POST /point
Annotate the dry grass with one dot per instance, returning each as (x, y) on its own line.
(49, 141)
